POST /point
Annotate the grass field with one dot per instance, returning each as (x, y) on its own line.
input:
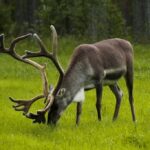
(22, 81)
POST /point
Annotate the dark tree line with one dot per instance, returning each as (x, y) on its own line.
(94, 19)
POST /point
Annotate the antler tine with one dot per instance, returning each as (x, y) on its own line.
(41, 44)
(41, 52)
(54, 50)
(55, 44)
(24, 105)
(40, 116)
(13, 43)
(11, 49)
(44, 53)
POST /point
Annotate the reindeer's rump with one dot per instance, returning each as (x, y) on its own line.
(113, 52)
(115, 43)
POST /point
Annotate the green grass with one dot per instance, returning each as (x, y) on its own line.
(22, 81)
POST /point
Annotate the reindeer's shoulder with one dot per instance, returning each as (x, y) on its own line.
(124, 44)
(85, 48)
(84, 51)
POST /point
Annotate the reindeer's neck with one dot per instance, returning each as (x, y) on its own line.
(74, 80)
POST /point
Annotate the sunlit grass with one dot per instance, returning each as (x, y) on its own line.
(23, 81)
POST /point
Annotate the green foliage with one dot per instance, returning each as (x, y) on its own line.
(95, 19)
(23, 81)
(115, 21)
(5, 18)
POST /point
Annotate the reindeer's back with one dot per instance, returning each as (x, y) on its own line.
(111, 53)
(109, 47)
(114, 52)
(115, 44)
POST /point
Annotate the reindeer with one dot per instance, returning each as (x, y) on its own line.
(95, 65)
(91, 66)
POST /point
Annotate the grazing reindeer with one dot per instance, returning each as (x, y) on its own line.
(91, 66)
(95, 65)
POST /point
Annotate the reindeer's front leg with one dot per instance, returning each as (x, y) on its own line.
(118, 94)
(99, 89)
(79, 110)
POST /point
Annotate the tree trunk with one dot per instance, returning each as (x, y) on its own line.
(141, 19)
(25, 15)
(147, 18)
(30, 13)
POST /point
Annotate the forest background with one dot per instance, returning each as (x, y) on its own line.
(96, 19)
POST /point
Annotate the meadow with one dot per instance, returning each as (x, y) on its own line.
(23, 81)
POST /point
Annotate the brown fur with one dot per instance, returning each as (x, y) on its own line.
(88, 65)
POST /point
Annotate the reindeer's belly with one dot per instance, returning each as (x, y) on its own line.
(108, 82)
(112, 75)
(105, 82)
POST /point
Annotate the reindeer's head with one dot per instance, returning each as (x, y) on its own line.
(60, 103)
(55, 111)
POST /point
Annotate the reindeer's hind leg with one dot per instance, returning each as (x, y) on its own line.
(118, 94)
(99, 89)
(79, 110)
(129, 82)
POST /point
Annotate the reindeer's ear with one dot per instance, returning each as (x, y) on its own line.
(61, 92)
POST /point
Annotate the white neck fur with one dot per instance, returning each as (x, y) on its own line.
(80, 96)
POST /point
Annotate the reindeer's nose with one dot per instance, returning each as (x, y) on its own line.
(53, 119)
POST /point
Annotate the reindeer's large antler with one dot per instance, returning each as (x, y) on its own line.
(40, 116)
(23, 105)
(44, 53)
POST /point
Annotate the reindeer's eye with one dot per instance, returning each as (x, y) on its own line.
(61, 92)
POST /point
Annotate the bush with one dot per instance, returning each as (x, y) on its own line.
(96, 19)
(5, 18)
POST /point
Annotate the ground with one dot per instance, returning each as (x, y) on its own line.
(22, 81)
